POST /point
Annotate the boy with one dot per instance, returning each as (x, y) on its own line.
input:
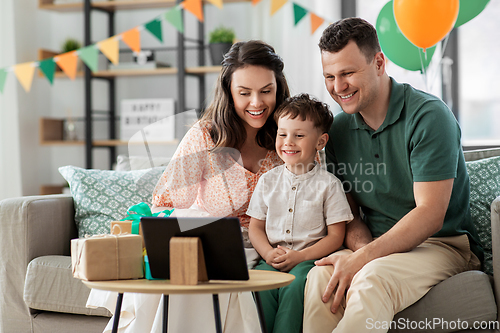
(298, 210)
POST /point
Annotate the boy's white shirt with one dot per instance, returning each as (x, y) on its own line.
(298, 208)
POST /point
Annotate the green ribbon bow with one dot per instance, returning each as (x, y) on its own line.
(135, 213)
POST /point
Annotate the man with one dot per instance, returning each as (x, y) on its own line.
(397, 151)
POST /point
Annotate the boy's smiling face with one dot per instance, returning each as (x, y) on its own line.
(297, 142)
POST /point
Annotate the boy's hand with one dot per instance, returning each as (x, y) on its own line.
(273, 254)
(288, 260)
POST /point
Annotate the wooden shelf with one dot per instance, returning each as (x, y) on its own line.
(104, 143)
(203, 69)
(157, 71)
(114, 5)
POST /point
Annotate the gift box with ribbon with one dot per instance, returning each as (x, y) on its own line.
(107, 257)
(131, 223)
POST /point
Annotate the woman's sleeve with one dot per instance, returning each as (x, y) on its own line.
(179, 184)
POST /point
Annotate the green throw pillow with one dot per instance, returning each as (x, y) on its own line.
(102, 196)
(484, 188)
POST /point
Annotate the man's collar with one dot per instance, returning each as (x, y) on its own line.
(396, 104)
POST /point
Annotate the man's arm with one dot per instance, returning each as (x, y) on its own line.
(432, 200)
(357, 233)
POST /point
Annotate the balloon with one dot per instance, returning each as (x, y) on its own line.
(425, 22)
(394, 44)
(469, 9)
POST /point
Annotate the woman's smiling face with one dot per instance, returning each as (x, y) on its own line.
(253, 89)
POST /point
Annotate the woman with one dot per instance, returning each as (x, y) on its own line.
(214, 172)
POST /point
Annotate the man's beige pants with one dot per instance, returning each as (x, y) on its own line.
(384, 286)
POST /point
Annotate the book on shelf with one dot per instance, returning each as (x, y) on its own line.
(135, 65)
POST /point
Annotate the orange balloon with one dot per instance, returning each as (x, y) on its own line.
(425, 22)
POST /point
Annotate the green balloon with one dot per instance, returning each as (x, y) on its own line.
(468, 10)
(396, 46)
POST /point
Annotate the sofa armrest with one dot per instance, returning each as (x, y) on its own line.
(29, 227)
(495, 242)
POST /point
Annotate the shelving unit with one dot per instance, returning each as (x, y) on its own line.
(181, 71)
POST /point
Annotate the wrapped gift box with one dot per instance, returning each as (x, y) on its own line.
(107, 257)
(124, 227)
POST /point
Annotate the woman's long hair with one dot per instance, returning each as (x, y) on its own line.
(227, 129)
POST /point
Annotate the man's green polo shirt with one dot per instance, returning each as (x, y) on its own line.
(419, 141)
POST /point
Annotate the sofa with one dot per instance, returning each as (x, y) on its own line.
(39, 294)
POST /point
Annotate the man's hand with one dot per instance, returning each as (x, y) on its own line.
(345, 266)
(288, 260)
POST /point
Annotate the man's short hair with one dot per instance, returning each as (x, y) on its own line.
(307, 108)
(338, 34)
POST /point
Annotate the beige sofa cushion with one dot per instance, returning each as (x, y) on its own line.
(50, 286)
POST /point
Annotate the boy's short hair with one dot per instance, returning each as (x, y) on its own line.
(307, 108)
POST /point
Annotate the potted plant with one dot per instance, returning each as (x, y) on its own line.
(220, 41)
(70, 44)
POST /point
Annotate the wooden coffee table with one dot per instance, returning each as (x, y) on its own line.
(259, 280)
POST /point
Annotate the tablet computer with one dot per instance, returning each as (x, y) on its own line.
(221, 240)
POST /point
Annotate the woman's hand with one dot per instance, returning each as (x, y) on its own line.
(288, 260)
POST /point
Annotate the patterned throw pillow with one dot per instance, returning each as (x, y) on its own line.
(484, 188)
(102, 196)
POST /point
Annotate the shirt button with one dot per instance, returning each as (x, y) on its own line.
(290, 210)
(294, 188)
(288, 231)
(377, 155)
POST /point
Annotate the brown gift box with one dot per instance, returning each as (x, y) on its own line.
(107, 257)
(124, 227)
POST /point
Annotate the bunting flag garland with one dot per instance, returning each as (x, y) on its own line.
(109, 47)
(217, 3)
(68, 62)
(194, 7)
(48, 67)
(154, 27)
(174, 16)
(298, 13)
(24, 73)
(90, 56)
(316, 21)
(3, 77)
(276, 5)
(132, 38)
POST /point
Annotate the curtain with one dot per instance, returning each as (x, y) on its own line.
(10, 165)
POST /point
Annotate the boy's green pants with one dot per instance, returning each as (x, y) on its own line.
(284, 307)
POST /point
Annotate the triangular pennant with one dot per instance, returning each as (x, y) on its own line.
(254, 2)
(194, 7)
(298, 12)
(276, 5)
(154, 27)
(316, 21)
(90, 56)
(217, 3)
(132, 38)
(174, 16)
(24, 73)
(48, 67)
(3, 78)
(109, 47)
(67, 62)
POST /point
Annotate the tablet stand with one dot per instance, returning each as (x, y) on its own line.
(187, 263)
